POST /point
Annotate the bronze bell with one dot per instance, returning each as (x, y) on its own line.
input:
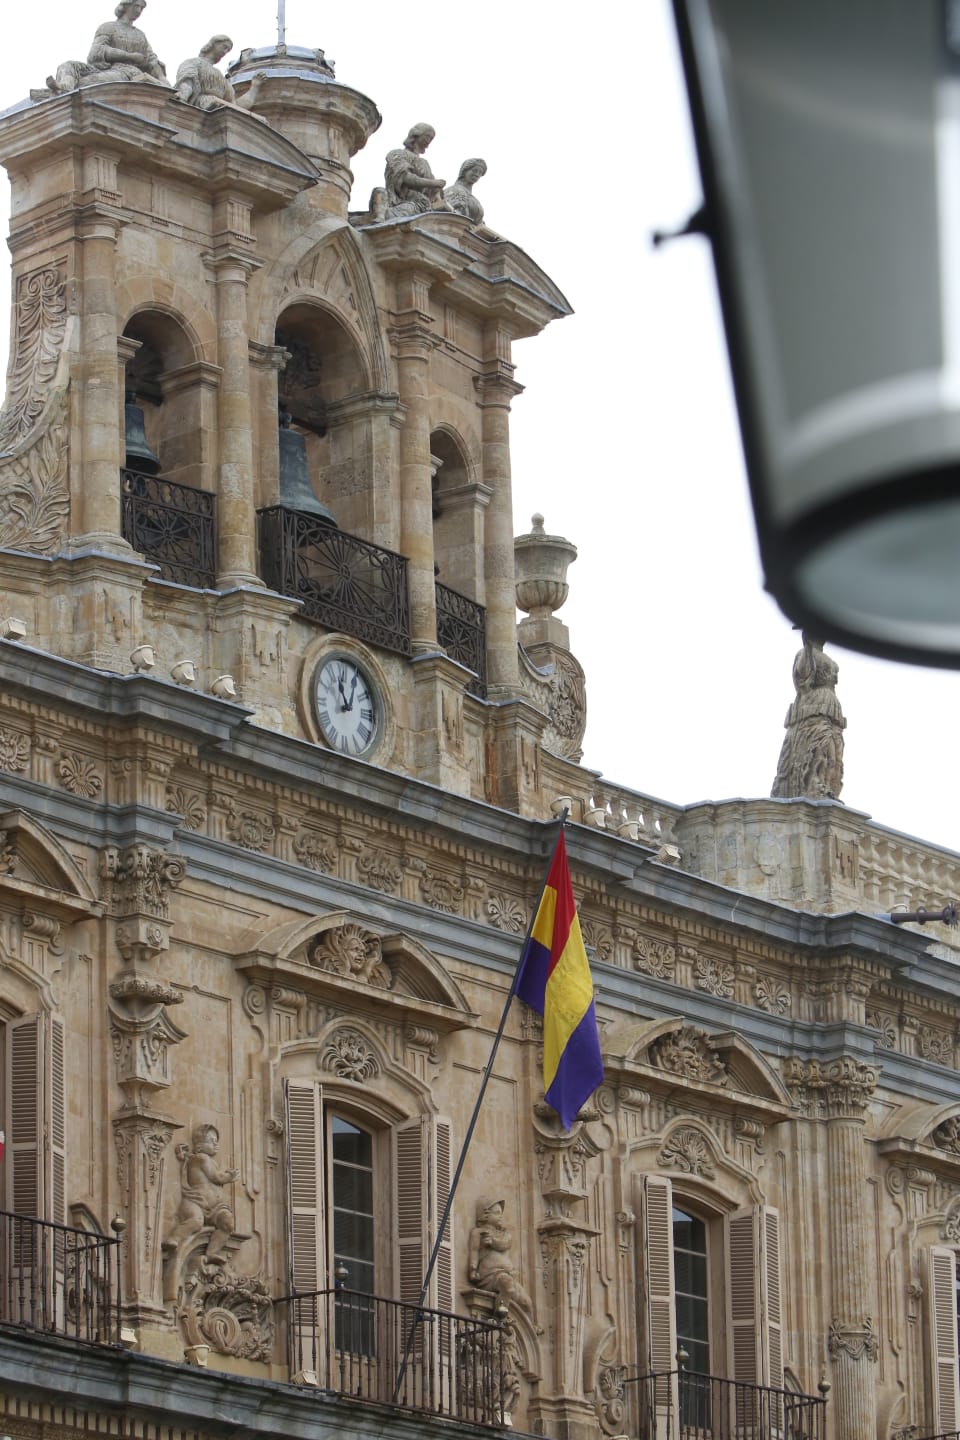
(296, 491)
(139, 455)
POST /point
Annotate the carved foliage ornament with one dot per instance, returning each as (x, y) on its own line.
(313, 852)
(41, 322)
(348, 1055)
(78, 774)
(506, 914)
(231, 1313)
(687, 1150)
(188, 805)
(655, 957)
(442, 892)
(716, 977)
(352, 952)
(380, 870)
(772, 995)
(688, 1052)
(139, 880)
(14, 750)
(839, 1087)
(858, 1341)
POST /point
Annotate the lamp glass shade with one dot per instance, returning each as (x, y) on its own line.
(829, 143)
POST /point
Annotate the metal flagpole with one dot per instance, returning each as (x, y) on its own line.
(445, 1217)
(281, 22)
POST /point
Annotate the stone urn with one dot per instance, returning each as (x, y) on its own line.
(541, 567)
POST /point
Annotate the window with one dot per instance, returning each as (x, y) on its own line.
(709, 1285)
(365, 1195)
(32, 1107)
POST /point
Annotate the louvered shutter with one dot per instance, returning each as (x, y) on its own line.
(35, 1153)
(443, 1172)
(657, 1320)
(308, 1265)
(772, 1308)
(412, 1167)
(743, 1296)
(754, 1319)
(941, 1290)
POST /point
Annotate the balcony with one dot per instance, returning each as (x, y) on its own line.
(353, 1345)
(171, 525)
(345, 584)
(58, 1280)
(685, 1405)
(462, 632)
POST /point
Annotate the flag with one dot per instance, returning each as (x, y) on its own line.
(554, 979)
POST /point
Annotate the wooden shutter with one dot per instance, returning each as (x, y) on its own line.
(655, 1263)
(443, 1173)
(423, 1175)
(412, 1167)
(305, 1152)
(35, 1153)
(743, 1296)
(754, 1317)
(942, 1299)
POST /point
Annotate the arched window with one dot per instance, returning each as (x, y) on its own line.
(943, 1292)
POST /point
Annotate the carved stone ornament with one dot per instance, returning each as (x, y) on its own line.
(716, 977)
(688, 1151)
(950, 1229)
(14, 751)
(138, 880)
(811, 759)
(411, 186)
(203, 1201)
(314, 852)
(443, 893)
(597, 939)
(460, 197)
(348, 1055)
(250, 829)
(34, 442)
(947, 1135)
(858, 1341)
(380, 871)
(772, 995)
(655, 957)
(886, 1027)
(490, 1262)
(80, 776)
(353, 952)
(119, 52)
(688, 1052)
(507, 914)
(839, 1088)
(935, 1045)
(8, 852)
(231, 1313)
(188, 805)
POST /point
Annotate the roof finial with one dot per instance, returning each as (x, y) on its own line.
(281, 22)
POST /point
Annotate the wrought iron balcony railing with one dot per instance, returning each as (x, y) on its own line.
(354, 1344)
(685, 1405)
(171, 525)
(345, 583)
(946, 1435)
(462, 632)
(59, 1280)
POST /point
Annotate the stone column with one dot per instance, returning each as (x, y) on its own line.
(236, 498)
(414, 342)
(496, 389)
(97, 506)
(840, 1090)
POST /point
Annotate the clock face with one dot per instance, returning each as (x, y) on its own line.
(348, 707)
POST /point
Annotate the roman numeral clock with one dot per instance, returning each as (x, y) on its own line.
(347, 704)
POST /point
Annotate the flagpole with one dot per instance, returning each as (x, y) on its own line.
(445, 1217)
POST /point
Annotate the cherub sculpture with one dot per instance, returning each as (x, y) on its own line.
(202, 1200)
(488, 1262)
(119, 52)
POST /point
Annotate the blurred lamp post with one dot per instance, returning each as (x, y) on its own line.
(828, 135)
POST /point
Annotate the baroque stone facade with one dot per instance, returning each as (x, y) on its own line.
(276, 795)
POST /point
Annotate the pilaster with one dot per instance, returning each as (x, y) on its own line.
(496, 389)
(414, 341)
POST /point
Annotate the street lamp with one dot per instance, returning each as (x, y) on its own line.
(828, 135)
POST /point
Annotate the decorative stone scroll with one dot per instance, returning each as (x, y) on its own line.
(231, 1313)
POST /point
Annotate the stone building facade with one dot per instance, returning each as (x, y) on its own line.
(279, 775)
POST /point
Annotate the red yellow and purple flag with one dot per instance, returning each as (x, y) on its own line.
(554, 979)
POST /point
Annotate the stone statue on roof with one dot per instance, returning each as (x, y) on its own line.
(200, 83)
(119, 52)
(411, 186)
(460, 196)
(811, 759)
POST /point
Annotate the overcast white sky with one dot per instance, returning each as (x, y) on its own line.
(626, 438)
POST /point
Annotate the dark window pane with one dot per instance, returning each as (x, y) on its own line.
(351, 1144)
(353, 1189)
(352, 1235)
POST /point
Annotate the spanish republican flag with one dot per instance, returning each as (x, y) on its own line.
(554, 979)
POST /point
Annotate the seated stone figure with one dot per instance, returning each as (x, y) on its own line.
(202, 1201)
(411, 185)
(460, 196)
(119, 52)
(200, 83)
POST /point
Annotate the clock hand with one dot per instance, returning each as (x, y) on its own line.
(353, 689)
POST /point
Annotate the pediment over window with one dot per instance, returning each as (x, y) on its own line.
(927, 1136)
(672, 1055)
(37, 871)
(325, 956)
